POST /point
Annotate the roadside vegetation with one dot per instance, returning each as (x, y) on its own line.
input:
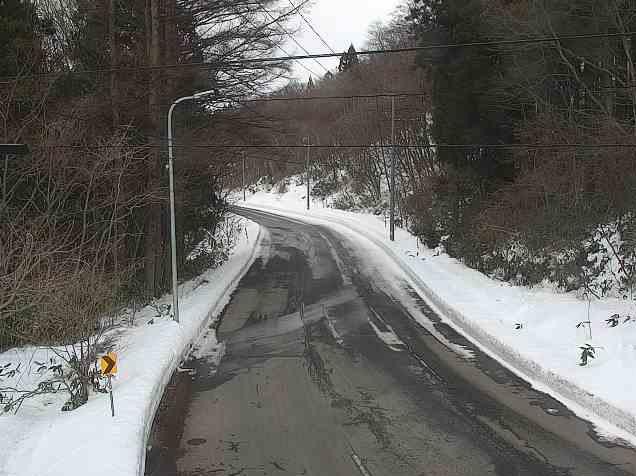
(517, 159)
(84, 218)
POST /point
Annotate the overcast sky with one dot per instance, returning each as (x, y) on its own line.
(340, 23)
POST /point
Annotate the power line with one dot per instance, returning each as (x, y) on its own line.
(244, 100)
(312, 28)
(279, 59)
(305, 67)
(282, 28)
(318, 98)
(297, 61)
(362, 146)
(274, 20)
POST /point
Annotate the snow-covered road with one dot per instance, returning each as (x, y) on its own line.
(533, 332)
(368, 379)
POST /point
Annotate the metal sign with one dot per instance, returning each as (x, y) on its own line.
(108, 364)
(14, 149)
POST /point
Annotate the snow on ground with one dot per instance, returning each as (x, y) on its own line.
(531, 331)
(41, 440)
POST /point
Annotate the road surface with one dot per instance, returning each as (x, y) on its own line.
(327, 372)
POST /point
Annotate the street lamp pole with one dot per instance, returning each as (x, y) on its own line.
(393, 194)
(243, 180)
(173, 223)
(308, 178)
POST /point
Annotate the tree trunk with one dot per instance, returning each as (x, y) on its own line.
(114, 61)
(153, 243)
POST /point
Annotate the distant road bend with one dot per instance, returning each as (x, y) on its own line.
(354, 385)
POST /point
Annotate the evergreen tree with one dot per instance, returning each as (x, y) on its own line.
(464, 80)
(348, 60)
(19, 45)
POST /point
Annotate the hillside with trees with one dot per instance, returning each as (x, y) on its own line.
(516, 156)
(564, 189)
(87, 86)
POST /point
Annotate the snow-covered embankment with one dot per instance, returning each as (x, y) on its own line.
(40, 440)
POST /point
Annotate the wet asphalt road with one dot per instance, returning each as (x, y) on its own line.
(354, 385)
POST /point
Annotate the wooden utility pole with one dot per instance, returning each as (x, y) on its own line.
(307, 173)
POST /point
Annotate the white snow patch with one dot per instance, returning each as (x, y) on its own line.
(41, 440)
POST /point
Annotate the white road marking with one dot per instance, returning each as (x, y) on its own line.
(390, 338)
(334, 332)
(356, 459)
(332, 329)
(346, 280)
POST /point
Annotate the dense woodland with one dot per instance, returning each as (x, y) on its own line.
(87, 86)
(532, 212)
(521, 158)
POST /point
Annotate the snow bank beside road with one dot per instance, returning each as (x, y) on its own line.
(42, 441)
(545, 351)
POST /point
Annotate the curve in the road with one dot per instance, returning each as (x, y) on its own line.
(354, 385)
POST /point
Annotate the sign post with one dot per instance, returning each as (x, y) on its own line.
(110, 392)
(108, 365)
(14, 149)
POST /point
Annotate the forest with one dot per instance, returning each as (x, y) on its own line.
(87, 86)
(515, 127)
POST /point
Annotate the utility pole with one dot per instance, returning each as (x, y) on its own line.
(392, 219)
(307, 172)
(243, 180)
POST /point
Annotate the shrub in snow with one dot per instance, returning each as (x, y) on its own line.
(344, 201)
(12, 398)
(613, 321)
(587, 352)
(161, 310)
(602, 265)
(265, 183)
(213, 248)
(282, 186)
(324, 188)
(75, 320)
(133, 294)
(54, 377)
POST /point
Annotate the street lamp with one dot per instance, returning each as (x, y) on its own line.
(173, 225)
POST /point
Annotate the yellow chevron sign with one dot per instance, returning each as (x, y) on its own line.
(108, 364)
